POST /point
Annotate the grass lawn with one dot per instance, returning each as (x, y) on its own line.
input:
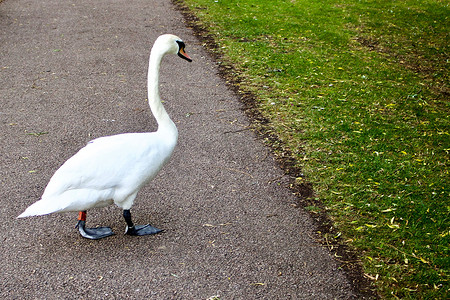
(357, 92)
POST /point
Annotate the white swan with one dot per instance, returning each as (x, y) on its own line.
(113, 169)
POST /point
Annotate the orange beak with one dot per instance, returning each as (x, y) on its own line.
(184, 55)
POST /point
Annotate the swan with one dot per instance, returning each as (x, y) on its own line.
(113, 169)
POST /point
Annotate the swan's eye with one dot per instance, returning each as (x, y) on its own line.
(181, 44)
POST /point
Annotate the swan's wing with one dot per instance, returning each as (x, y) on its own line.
(107, 163)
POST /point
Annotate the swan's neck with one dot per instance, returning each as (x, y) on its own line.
(160, 114)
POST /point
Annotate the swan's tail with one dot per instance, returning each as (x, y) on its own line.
(40, 208)
(72, 200)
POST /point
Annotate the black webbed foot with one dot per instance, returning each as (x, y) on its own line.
(93, 233)
(139, 230)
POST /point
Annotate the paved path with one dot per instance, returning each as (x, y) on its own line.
(72, 71)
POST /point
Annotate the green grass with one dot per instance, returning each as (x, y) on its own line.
(357, 91)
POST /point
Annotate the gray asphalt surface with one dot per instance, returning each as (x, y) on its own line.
(72, 71)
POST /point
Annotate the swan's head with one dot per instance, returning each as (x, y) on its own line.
(171, 44)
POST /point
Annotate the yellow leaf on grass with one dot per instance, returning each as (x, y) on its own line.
(392, 226)
(388, 210)
(421, 259)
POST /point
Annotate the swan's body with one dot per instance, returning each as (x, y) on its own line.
(113, 169)
(108, 169)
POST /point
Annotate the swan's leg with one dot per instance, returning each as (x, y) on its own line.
(91, 233)
(137, 229)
